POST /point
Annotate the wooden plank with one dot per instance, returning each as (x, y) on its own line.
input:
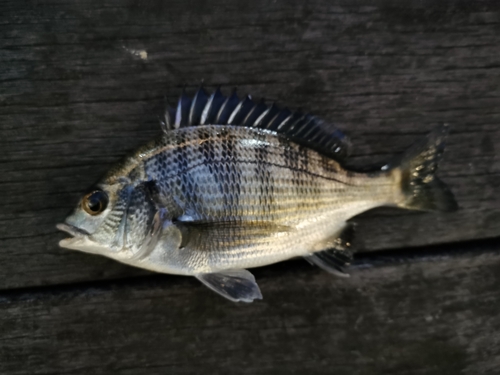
(82, 84)
(433, 315)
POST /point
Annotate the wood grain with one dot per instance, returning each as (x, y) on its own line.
(433, 315)
(82, 83)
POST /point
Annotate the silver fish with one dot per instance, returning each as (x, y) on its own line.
(233, 184)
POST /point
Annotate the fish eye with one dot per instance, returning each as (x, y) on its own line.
(96, 202)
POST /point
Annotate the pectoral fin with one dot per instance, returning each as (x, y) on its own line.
(227, 235)
(235, 285)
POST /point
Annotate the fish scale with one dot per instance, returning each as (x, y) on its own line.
(234, 184)
(305, 177)
(288, 188)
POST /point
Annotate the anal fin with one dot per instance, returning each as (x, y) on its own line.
(235, 285)
(332, 261)
(337, 254)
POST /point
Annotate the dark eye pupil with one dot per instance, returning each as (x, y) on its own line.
(95, 202)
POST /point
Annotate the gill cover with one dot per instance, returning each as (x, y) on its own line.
(128, 228)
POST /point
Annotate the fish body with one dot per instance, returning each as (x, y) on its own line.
(221, 191)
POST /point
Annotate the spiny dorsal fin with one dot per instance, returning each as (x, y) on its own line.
(182, 111)
(199, 102)
(217, 109)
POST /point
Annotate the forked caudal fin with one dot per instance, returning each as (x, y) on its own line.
(422, 190)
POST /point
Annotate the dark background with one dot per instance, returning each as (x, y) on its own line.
(83, 82)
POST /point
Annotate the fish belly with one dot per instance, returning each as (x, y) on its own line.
(235, 248)
(308, 237)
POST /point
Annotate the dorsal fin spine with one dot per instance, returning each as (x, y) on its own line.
(285, 121)
(308, 134)
(163, 126)
(272, 123)
(199, 101)
(218, 109)
(235, 111)
(318, 135)
(259, 119)
(167, 123)
(254, 113)
(193, 106)
(278, 119)
(206, 109)
(241, 111)
(227, 108)
(178, 115)
(298, 132)
(298, 121)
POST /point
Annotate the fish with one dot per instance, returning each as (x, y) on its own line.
(232, 184)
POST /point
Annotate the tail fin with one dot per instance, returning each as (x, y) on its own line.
(421, 188)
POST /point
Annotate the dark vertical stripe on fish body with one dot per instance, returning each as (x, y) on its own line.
(217, 169)
(263, 174)
(206, 147)
(290, 156)
(327, 166)
(225, 167)
(181, 158)
(291, 159)
(304, 158)
(207, 155)
(234, 170)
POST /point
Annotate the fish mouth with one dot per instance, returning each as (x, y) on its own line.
(72, 230)
(79, 239)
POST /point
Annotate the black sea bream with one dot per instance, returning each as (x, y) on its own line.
(233, 184)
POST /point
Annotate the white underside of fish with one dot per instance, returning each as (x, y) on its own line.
(310, 236)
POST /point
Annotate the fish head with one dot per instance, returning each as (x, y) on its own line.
(117, 220)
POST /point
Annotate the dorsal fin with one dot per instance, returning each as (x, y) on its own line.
(218, 109)
(182, 111)
(199, 102)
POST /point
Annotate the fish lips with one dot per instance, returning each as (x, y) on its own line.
(72, 230)
(79, 241)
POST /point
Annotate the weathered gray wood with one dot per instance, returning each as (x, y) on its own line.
(81, 83)
(430, 316)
